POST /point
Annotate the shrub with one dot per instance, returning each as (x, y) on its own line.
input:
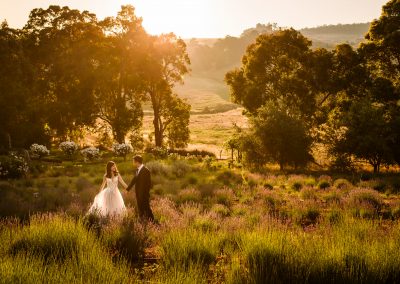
(271, 200)
(13, 166)
(365, 203)
(367, 197)
(229, 177)
(189, 195)
(310, 181)
(39, 150)
(192, 180)
(90, 153)
(343, 184)
(333, 196)
(268, 186)
(208, 162)
(204, 222)
(308, 193)
(180, 168)
(307, 216)
(69, 148)
(122, 150)
(323, 184)
(196, 153)
(297, 185)
(296, 182)
(158, 168)
(221, 210)
(334, 217)
(128, 238)
(158, 152)
(396, 212)
(224, 196)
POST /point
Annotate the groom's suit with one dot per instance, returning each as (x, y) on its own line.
(142, 183)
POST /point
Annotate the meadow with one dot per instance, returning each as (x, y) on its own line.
(208, 131)
(216, 225)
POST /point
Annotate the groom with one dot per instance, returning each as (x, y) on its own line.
(142, 183)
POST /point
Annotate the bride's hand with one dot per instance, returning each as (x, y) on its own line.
(121, 181)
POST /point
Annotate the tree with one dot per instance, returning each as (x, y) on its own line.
(167, 63)
(284, 138)
(276, 68)
(60, 43)
(22, 122)
(368, 133)
(175, 118)
(382, 47)
(118, 96)
(279, 84)
(235, 142)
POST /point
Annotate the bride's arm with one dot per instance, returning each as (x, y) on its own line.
(103, 184)
(121, 181)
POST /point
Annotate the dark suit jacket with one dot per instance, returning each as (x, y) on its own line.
(142, 183)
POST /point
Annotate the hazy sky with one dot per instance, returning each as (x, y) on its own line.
(212, 18)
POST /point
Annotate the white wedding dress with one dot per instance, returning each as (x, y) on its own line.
(109, 201)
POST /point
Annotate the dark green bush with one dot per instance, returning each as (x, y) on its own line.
(13, 167)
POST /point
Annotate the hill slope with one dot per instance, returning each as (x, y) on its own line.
(205, 89)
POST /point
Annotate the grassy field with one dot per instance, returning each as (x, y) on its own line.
(216, 225)
(208, 131)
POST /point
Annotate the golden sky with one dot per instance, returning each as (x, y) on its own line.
(212, 18)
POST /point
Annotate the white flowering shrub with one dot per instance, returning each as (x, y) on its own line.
(69, 148)
(39, 150)
(122, 150)
(90, 154)
(13, 166)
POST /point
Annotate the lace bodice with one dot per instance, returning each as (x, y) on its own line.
(112, 183)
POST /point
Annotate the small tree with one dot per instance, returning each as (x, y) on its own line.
(369, 134)
(175, 122)
(234, 143)
(285, 139)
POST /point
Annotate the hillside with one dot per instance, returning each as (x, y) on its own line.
(211, 58)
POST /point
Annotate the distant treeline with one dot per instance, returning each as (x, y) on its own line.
(213, 58)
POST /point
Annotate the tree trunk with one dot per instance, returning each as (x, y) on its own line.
(375, 168)
(118, 135)
(157, 131)
(9, 140)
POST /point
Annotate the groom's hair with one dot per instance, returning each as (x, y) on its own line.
(138, 159)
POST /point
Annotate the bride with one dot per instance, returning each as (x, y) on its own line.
(109, 202)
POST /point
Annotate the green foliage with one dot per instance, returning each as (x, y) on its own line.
(48, 242)
(176, 124)
(283, 138)
(187, 247)
(13, 166)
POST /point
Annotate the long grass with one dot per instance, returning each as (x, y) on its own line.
(357, 251)
(57, 250)
(215, 225)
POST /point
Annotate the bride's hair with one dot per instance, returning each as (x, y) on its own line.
(110, 164)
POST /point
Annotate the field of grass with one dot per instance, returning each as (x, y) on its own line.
(216, 225)
(208, 131)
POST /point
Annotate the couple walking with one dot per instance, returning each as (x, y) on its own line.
(109, 201)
